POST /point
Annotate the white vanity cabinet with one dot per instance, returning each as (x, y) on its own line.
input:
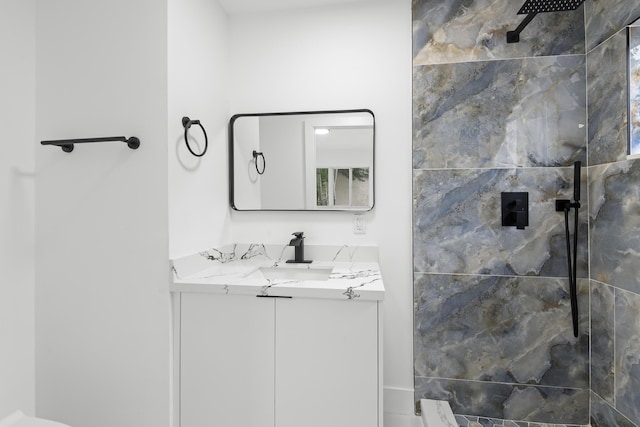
(327, 363)
(226, 360)
(283, 362)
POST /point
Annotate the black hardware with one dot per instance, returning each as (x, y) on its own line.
(576, 182)
(257, 154)
(514, 36)
(515, 210)
(532, 7)
(298, 243)
(564, 205)
(186, 123)
(67, 144)
(273, 296)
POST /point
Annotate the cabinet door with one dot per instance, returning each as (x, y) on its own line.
(226, 361)
(326, 363)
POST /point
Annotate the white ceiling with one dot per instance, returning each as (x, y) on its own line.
(234, 7)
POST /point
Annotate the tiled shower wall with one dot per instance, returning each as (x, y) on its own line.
(493, 330)
(614, 217)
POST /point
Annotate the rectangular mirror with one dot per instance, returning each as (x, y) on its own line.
(319, 161)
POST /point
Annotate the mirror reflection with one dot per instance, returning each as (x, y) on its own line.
(302, 161)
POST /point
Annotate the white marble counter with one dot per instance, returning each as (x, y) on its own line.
(353, 272)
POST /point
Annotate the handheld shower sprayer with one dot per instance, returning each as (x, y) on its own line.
(576, 182)
(564, 205)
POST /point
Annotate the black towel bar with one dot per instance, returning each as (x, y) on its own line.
(67, 144)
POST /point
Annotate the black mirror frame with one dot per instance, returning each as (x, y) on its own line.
(231, 159)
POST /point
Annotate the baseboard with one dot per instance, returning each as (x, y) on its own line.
(396, 420)
(399, 401)
(399, 408)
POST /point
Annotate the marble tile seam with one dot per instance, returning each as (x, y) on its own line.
(617, 288)
(612, 163)
(514, 276)
(494, 168)
(501, 383)
(605, 41)
(515, 58)
(613, 407)
(606, 402)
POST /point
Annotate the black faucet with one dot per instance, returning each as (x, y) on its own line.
(298, 243)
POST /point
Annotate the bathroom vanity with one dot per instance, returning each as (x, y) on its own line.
(265, 343)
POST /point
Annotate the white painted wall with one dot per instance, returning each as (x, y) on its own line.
(345, 148)
(17, 121)
(355, 55)
(104, 224)
(198, 88)
(102, 302)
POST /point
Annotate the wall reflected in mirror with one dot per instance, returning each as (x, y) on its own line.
(308, 161)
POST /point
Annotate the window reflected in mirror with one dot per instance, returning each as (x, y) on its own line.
(342, 188)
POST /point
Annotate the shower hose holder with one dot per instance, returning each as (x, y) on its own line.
(566, 204)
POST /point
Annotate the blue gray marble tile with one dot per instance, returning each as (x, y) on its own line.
(606, 17)
(634, 89)
(500, 329)
(485, 109)
(602, 339)
(523, 112)
(607, 94)
(458, 226)
(509, 402)
(471, 421)
(604, 415)
(446, 31)
(554, 425)
(614, 206)
(627, 351)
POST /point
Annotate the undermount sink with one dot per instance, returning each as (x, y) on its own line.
(296, 274)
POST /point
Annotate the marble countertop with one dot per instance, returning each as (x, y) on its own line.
(353, 272)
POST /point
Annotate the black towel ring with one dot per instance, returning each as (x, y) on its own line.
(255, 159)
(186, 123)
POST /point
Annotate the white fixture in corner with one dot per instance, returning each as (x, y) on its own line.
(437, 413)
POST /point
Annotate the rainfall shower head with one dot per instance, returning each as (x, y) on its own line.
(532, 7)
(539, 6)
